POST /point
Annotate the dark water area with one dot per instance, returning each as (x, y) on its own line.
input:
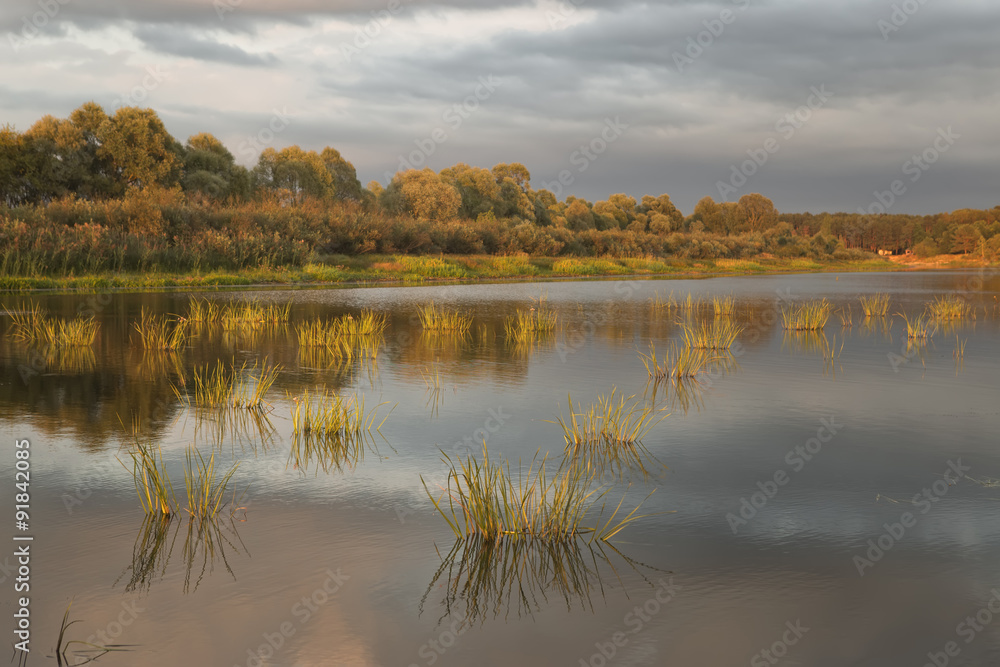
(807, 506)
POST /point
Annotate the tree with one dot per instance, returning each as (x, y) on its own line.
(477, 187)
(710, 215)
(756, 212)
(139, 148)
(423, 194)
(295, 172)
(966, 239)
(209, 168)
(346, 185)
(663, 215)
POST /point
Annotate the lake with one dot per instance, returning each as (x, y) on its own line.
(816, 499)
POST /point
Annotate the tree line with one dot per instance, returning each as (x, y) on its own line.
(124, 171)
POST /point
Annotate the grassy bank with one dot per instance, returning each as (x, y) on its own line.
(458, 268)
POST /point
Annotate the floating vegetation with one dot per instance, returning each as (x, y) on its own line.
(950, 307)
(222, 386)
(679, 362)
(206, 490)
(809, 316)
(481, 498)
(161, 332)
(919, 328)
(876, 305)
(716, 335)
(724, 306)
(35, 327)
(434, 318)
(481, 578)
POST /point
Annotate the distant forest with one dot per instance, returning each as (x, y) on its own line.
(99, 192)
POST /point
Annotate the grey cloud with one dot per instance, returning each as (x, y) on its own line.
(176, 42)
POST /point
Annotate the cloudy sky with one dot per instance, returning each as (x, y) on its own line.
(618, 95)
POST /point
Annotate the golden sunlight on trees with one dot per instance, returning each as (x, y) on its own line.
(423, 194)
(139, 147)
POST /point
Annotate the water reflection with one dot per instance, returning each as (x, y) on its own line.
(205, 544)
(482, 579)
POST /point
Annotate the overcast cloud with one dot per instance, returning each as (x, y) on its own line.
(698, 85)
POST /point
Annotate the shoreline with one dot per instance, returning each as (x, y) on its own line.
(383, 270)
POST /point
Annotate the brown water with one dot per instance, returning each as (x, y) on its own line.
(344, 566)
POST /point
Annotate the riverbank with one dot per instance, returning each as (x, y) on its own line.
(365, 269)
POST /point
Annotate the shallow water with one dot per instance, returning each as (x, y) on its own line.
(341, 566)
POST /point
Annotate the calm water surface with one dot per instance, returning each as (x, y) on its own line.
(344, 565)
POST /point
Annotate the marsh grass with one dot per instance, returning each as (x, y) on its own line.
(152, 483)
(608, 435)
(716, 335)
(35, 327)
(333, 430)
(808, 316)
(876, 305)
(659, 304)
(223, 386)
(919, 328)
(724, 306)
(206, 488)
(528, 325)
(344, 337)
(846, 316)
(679, 362)
(433, 318)
(204, 311)
(950, 307)
(481, 498)
(959, 352)
(253, 315)
(161, 332)
(83, 656)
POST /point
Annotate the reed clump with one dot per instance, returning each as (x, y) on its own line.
(950, 307)
(724, 306)
(435, 318)
(204, 311)
(228, 386)
(809, 316)
(876, 305)
(152, 484)
(919, 328)
(482, 498)
(36, 327)
(527, 325)
(679, 362)
(161, 332)
(716, 335)
(253, 315)
(960, 348)
(206, 488)
(332, 429)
